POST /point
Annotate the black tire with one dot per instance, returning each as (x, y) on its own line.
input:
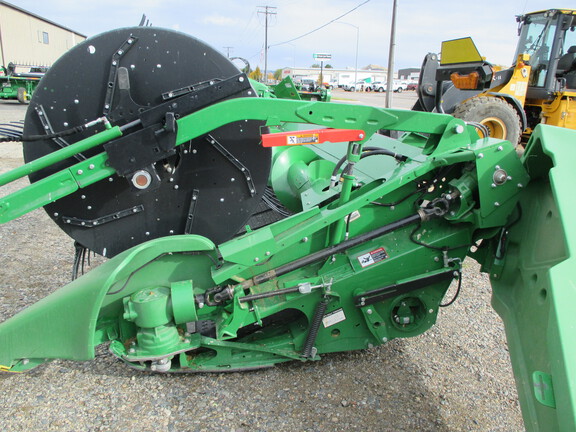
(496, 114)
(380, 89)
(399, 90)
(22, 96)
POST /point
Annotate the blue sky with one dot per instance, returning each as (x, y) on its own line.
(421, 26)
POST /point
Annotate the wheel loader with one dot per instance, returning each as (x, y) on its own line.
(242, 230)
(540, 87)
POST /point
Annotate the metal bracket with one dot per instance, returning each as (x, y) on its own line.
(190, 218)
(129, 43)
(48, 128)
(91, 223)
(243, 169)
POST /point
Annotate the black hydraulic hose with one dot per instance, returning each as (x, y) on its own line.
(325, 253)
(370, 151)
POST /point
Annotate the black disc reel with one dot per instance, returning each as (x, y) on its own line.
(209, 186)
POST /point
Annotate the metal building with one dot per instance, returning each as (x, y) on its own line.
(26, 38)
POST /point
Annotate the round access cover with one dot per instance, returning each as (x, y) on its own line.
(209, 186)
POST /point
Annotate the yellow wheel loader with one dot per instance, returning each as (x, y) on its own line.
(540, 87)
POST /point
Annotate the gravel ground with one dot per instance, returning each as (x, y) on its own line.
(456, 377)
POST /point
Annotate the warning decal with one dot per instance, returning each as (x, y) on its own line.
(333, 318)
(372, 257)
(302, 139)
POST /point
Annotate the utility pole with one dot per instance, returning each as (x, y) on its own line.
(268, 10)
(390, 81)
(228, 51)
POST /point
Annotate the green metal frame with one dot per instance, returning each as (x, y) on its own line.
(152, 301)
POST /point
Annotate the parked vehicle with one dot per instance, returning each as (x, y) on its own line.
(412, 86)
(357, 86)
(378, 86)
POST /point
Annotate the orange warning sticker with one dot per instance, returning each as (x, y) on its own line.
(300, 139)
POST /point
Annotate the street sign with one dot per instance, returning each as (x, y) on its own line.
(322, 56)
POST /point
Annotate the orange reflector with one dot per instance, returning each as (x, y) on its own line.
(465, 82)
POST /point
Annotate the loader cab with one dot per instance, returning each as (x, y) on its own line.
(549, 37)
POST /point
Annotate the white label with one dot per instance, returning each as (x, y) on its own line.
(333, 318)
(372, 257)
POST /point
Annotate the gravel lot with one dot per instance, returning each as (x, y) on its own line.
(456, 377)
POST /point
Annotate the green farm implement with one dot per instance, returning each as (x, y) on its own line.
(245, 230)
(19, 85)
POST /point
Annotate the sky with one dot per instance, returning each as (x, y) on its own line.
(236, 27)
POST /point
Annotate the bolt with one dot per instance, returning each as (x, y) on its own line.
(430, 310)
(520, 185)
(221, 199)
(186, 341)
(459, 129)
(232, 179)
(55, 214)
(496, 204)
(437, 259)
(131, 350)
(91, 166)
(241, 79)
(147, 233)
(171, 231)
(80, 172)
(25, 361)
(369, 311)
(361, 136)
(256, 259)
(267, 253)
(497, 167)
(509, 178)
(480, 155)
(493, 185)
(500, 148)
(305, 239)
(89, 207)
(384, 339)
(176, 186)
(83, 196)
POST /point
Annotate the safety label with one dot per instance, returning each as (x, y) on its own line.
(333, 318)
(302, 139)
(372, 257)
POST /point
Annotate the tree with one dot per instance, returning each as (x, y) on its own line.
(256, 74)
(278, 74)
(329, 66)
(315, 65)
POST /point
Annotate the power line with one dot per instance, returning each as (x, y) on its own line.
(322, 26)
(228, 48)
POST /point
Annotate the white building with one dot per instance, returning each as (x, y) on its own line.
(26, 38)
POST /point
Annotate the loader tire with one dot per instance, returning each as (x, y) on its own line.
(496, 114)
(22, 96)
